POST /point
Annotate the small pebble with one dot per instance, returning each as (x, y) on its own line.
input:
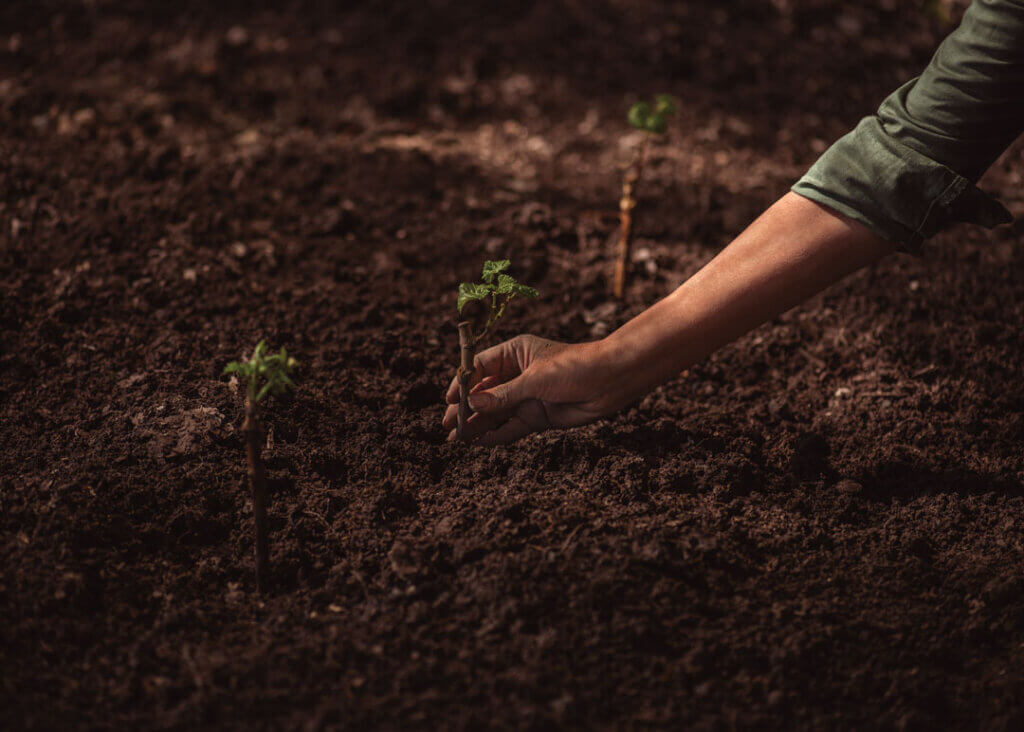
(237, 36)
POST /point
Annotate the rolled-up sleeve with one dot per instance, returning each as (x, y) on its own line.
(910, 170)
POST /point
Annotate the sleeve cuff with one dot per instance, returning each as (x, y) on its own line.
(898, 193)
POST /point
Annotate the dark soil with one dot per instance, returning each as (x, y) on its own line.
(818, 527)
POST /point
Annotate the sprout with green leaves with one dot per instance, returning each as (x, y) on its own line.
(651, 118)
(265, 374)
(496, 290)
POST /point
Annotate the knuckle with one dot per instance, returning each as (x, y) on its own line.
(525, 347)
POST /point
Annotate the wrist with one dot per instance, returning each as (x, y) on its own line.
(630, 349)
(610, 354)
(652, 347)
(619, 370)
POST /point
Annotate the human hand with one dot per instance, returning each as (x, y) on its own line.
(530, 384)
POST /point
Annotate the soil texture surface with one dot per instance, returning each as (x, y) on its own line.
(818, 527)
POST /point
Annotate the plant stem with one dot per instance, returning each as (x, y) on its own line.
(467, 348)
(626, 205)
(258, 486)
(493, 318)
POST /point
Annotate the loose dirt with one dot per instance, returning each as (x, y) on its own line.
(818, 527)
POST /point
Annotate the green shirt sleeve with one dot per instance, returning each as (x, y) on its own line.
(910, 170)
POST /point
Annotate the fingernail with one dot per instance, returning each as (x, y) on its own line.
(481, 401)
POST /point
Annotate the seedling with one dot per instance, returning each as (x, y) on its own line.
(264, 374)
(496, 289)
(651, 119)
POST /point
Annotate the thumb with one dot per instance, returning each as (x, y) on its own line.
(504, 396)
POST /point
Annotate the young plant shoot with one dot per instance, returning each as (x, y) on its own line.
(651, 119)
(496, 290)
(264, 374)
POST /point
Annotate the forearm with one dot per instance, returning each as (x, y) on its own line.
(792, 251)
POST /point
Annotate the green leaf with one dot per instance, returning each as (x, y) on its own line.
(638, 115)
(524, 291)
(493, 268)
(656, 124)
(472, 291)
(508, 286)
(505, 284)
(665, 105)
(272, 371)
(264, 391)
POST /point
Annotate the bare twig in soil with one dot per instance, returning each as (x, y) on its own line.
(626, 205)
(652, 119)
(926, 371)
(258, 488)
(467, 346)
(265, 374)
